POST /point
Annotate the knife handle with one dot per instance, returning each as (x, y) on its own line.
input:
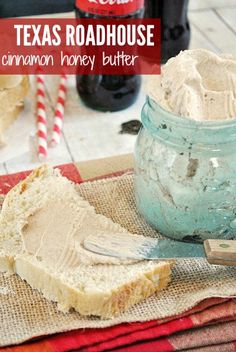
(221, 252)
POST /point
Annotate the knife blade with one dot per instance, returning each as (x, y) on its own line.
(220, 252)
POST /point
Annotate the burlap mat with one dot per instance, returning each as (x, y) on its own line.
(25, 314)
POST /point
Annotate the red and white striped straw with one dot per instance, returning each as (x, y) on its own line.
(41, 119)
(59, 112)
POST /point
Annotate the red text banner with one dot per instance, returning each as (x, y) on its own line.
(80, 46)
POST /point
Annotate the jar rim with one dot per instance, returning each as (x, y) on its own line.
(188, 123)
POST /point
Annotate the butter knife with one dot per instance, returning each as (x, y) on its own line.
(218, 252)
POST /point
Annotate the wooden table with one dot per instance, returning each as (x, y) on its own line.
(89, 134)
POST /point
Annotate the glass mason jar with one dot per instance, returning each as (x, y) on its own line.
(185, 175)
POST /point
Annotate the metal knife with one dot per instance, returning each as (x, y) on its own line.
(218, 252)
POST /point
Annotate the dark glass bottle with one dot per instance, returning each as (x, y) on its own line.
(175, 34)
(107, 92)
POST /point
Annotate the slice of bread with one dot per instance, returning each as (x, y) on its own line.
(42, 225)
(9, 81)
(7, 119)
(11, 97)
(11, 100)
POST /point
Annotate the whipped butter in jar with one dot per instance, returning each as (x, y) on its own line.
(185, 157)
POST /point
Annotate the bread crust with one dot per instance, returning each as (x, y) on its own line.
(103, 304)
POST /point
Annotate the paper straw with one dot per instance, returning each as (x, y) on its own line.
(41, 119)
(59, 112)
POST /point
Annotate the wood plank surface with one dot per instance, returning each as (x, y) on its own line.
(228, 15)
(215, 30)
(199, 40)
(210, 4)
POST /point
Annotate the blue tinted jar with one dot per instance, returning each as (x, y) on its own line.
(185, 175)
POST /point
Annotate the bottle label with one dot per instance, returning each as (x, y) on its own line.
(110, 7)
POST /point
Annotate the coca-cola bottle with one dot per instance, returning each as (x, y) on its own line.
(175, 29)
(107, 92)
